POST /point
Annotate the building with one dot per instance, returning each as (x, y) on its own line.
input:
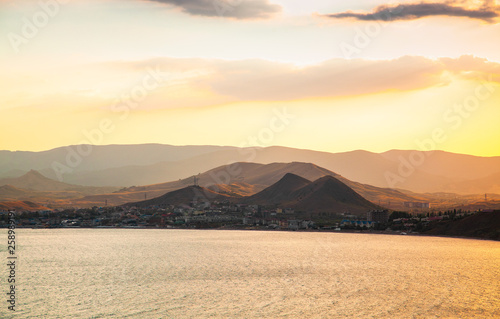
(379, 216)
(356, 223)
(417, 205)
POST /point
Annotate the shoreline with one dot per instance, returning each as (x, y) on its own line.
(381, 232)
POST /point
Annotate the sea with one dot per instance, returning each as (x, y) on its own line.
(168, 273)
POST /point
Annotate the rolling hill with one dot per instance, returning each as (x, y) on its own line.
(327, 194)
(183, 196)
(21, 206)
(33, 186)
(280, 192)
(244, 179)
(10, 193)
(35, 181)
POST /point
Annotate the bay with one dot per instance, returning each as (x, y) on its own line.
(157, 273)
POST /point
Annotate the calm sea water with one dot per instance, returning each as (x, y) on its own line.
(133, 273)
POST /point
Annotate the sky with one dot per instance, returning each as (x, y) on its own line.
(331, 76)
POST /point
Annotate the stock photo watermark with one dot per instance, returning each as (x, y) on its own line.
(31, 26)
(364, 37)
(224, 6)
(454, 117)
(280, 120)
(11, 262)
(123, 105)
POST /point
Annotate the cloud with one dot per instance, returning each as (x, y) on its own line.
(486, 12)
(261, 80)
(237, 9)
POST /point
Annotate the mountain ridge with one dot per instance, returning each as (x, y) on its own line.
(326, 194)
(126, 165)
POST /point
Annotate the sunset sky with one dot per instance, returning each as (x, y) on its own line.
(324, 75)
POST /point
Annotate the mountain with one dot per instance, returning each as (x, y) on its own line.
(33, 186)
(488, 184)
(328, 194)
(34, 181)
(280, 192)
(448, 165)
(183, 196)
(244, 179)
(80, 158)
(145, 164)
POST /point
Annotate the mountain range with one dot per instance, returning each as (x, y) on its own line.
(326, 194)
(144, 164)
(34, 186)
(467, 178)
(245, 179)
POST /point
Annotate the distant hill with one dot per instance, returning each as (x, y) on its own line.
(101, 156)
(258, 175)
(9, 192)
(33, 186)
(21, 206)
(473, 186)
(280, 192)
(146, 164)
(34, 181)
(244, 179)
(328, 194)
(182, 196)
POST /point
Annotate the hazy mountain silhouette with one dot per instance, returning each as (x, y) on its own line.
(326, 194)
(127, 165)
(35, 181)
(246, 179)
(34, 186)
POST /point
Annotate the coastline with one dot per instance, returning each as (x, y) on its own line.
(265, 229)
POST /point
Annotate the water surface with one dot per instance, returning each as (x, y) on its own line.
(140, 273)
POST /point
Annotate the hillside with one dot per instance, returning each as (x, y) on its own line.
(9, 193)
(328, 194)
(280, 192)
(481, 225)
(245, 179)
(183, 196)
(21, 206)
(34, 181)
(35, 187)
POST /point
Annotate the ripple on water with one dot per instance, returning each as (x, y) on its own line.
(108, 273)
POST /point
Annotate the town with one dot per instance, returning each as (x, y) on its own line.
(225, 215)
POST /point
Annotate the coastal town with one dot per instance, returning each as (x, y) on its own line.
(224, 215)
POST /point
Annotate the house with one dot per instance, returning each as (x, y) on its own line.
(380, 216)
